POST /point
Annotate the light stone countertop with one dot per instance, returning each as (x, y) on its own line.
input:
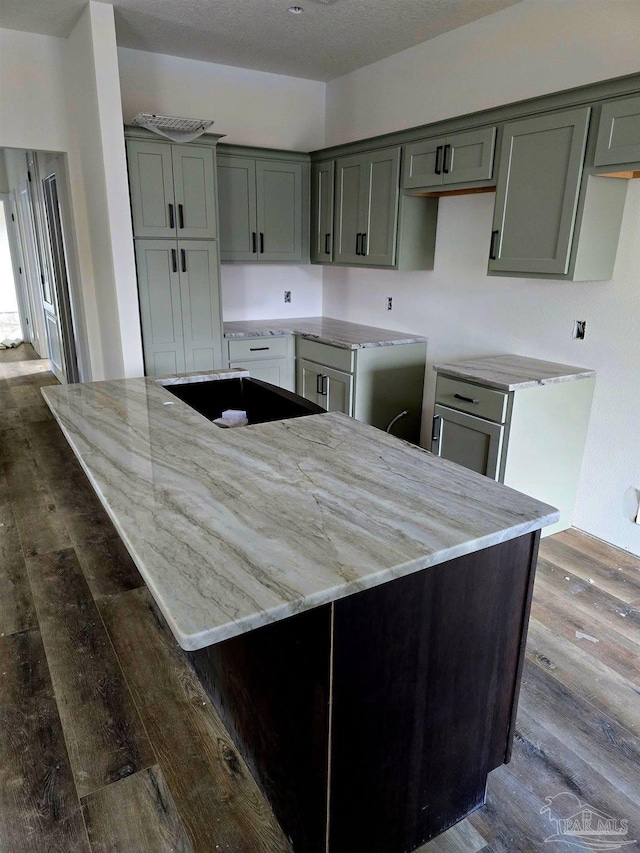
(234, 529)
(510, 372)
(326, 330)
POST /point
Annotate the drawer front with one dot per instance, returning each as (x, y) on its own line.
(277, 371)
(475, 399)
(243, 349)
(619, 133)
(336, 357)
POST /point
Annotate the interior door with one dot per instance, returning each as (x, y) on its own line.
(200, 301)
(61, 313)
(20, 272)
(31, 256)
(194, 187)
(237, 207)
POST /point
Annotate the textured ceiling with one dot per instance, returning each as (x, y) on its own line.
(327, 40)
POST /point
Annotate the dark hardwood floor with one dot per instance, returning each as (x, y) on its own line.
(109, 743)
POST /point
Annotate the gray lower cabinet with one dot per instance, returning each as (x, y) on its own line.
(531, 439)
(461, 158)
(366, 208)
(178, 286)
(540, 171)
(172, 190)
(322, 186)
(372, 384)
(270, 358)
(618, 140)
(263, 206)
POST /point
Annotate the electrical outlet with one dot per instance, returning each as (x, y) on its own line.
(389, 303)
(579, 329)
(287, 296)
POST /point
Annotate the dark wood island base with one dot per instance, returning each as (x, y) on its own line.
(372, 723)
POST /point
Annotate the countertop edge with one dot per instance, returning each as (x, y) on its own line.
(443, 370)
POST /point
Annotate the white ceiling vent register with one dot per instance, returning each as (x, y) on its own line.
(173, 127)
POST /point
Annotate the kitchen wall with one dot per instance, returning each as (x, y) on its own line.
(528, 49)
(250, 108)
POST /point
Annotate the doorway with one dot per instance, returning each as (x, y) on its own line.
(38, 193)
(11, 333)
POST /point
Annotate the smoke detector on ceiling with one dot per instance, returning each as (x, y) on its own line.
(175, 128)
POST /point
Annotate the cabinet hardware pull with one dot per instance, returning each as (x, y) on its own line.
(327, 245)
(466, 399)
(434, 434)
(258, 349)
(358, 236)
(364, 248)
(319, 383)
(492, 246)
(181, 216)
(174, 260)
(445, 168)
(438, 169)
(254, 247)
(324, 386)
(261, 243)
(172, 220)
(183, 260)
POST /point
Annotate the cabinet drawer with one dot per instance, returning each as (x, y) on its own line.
(475, 399)
(619, 133)
(243, 349)
(325, 354)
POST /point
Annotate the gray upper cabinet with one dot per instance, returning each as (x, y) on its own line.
(172, 190)
(366, 208)
(237, 204)
(322, 183)
(619, 133)
(539, 180)
(179, 305)
(461, 158)
(263, 208)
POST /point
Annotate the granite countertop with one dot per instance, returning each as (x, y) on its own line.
(234, 529)
(338, 333)
(510, 372)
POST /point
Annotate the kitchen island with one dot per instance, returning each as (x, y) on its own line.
(355, 607)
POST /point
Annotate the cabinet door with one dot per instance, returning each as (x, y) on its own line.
(537, 193)
(237, 208)
(336, 390)
(194, 185)
(151, 187)
(200, 299)
(468, 441)
(308, 381)
(379, 227)
(423, 163)
(160, 306)
(279, 210)
(351, 189)
(469, 156)
(322, 176)
(619, 133)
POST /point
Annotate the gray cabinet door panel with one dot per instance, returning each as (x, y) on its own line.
(337, 391)
(237, 208)
(619, 133)
(469, 156)
(200, 300)
(307, 384)
(151, 186)
(322, 179)
(194, 183)
(467, 440)
(537, 192)
(381, 209)
(350, 190)
(279, 210)
(420, 163)
(160, 306)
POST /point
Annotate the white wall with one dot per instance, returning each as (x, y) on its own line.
(250, 108)
(528, 49)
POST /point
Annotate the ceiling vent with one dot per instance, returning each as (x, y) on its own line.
(173, 127)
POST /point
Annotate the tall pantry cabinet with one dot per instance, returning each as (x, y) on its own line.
(175, 228)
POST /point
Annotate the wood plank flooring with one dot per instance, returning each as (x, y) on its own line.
(109, 743)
